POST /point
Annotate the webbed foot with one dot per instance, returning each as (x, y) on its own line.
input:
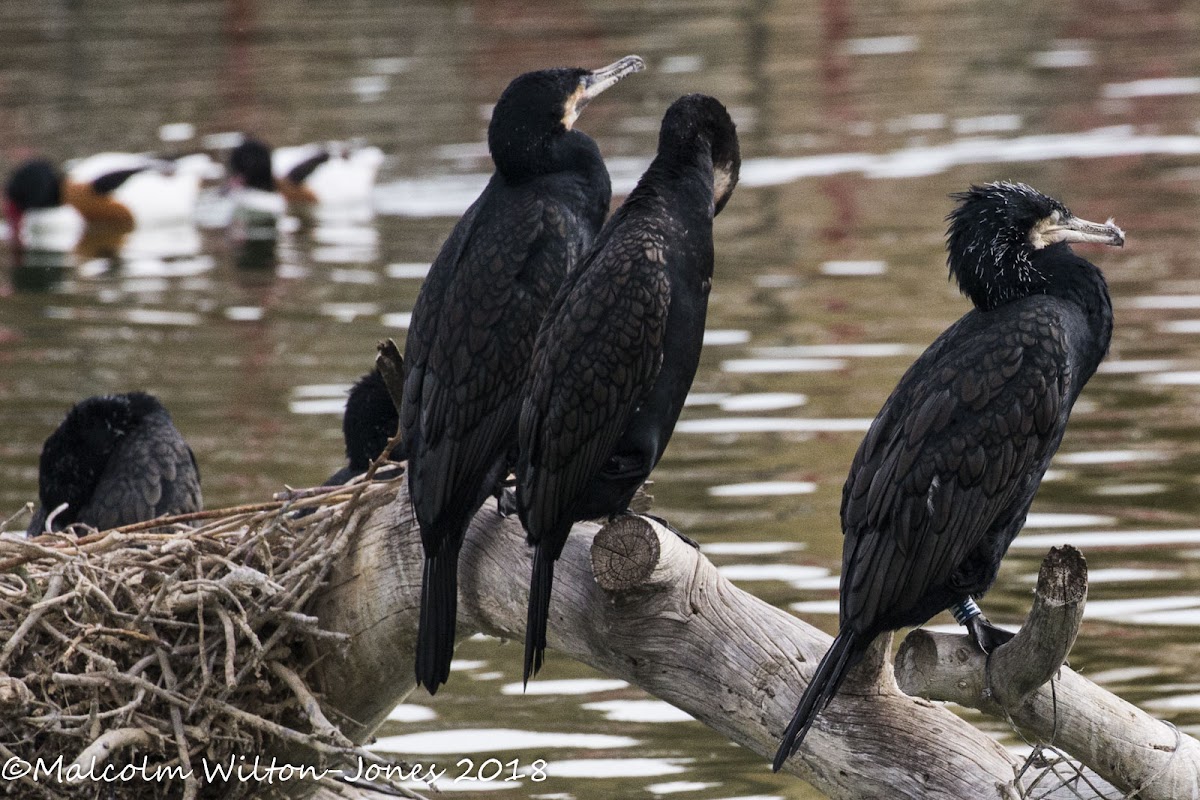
(986, 636)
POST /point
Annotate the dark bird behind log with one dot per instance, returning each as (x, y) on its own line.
(942, 482)
(115, 460)
(368, 424)
(618, 350)
(477, 315)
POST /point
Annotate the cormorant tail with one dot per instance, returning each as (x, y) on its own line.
(439, 611)
(539, 611)
(825, 682)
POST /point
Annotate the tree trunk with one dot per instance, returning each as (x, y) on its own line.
(635, 602)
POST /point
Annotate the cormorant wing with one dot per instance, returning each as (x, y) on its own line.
(491, 284)
(597, 355)
(151, 473)
(951, 455)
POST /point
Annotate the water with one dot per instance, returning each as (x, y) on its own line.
(856, 122)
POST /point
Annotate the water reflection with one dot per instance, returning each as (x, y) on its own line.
(830, 279)
(490, 740)
(639, 711)
(620, 767)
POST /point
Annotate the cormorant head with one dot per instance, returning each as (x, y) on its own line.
(697, 125)
(370, 421)
(250, 164)
(538, 107)
(999, 235)
(76, 454)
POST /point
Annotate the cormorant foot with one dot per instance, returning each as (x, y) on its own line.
(686, 539)
(506, 502)
(986, 636)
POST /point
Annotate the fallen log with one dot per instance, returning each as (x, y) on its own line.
(633, 601)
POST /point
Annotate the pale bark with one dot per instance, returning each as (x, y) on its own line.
(636, 602)
(1027, 683)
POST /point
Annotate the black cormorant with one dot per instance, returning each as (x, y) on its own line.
(942, 482)
(115, 460)
(370, 421)
(477, 315)
(617, 352)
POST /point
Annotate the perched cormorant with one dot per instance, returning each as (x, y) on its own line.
(115, 460)
(942, 482)
(370, 421)
(617, 352)
(477, 315)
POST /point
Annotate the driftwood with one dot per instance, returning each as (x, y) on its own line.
(635, 602)
(1027, 684)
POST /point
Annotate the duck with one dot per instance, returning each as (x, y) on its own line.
(103, 196)
(331, 178)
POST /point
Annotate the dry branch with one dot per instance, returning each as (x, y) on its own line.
(635, 602)
(1026, 683)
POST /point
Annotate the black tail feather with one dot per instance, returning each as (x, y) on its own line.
(539, 611)
(844, 653)
(439, 611)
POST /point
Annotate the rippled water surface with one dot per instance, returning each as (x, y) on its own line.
(856, 122)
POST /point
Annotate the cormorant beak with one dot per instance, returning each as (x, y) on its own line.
(595, 82)
(1072, 229)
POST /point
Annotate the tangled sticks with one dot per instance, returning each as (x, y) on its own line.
(143, 647)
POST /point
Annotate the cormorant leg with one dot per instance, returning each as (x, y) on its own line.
(506, 501)
(986, 636)
(686, 539)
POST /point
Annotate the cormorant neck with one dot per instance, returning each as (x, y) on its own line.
(670, 174)
(520, 157)
(993, 265)
(1076, 280)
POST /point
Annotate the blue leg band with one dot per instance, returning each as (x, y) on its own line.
(965, 611)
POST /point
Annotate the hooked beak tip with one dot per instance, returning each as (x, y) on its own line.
(1118, 235)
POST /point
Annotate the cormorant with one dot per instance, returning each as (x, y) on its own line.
(477, 315)
(370, 421)
(619, 348)
(115, 460)
(942, 482)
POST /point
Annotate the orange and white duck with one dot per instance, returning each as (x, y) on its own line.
(104, 196)
(332, 178)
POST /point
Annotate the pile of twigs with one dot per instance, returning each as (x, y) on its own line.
(136, 662)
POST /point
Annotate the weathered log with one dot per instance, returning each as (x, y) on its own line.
(1026, 683)
(635, 602)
